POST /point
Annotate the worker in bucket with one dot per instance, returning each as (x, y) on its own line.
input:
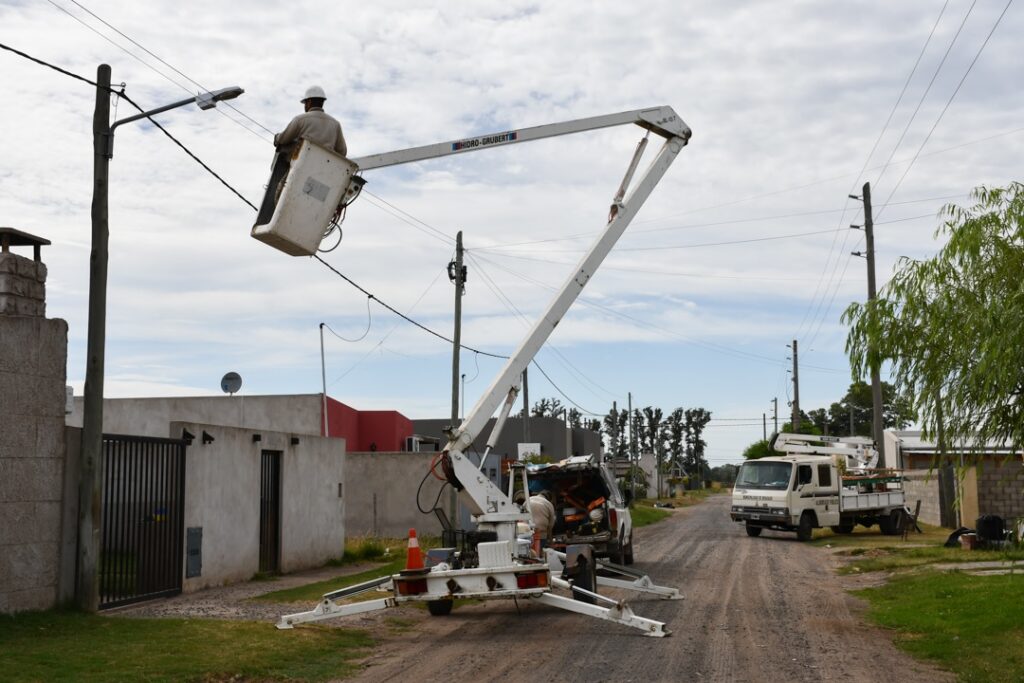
(314, 125)
(542, 512)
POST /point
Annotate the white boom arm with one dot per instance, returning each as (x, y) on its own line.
(490, 506)
(661, 121)
(858, 450)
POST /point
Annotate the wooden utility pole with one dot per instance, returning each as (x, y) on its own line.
(876, 382)
(90, 482)
(457, 274)
(796, 390)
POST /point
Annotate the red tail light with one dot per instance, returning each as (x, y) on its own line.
(613, 518)
(532, 580)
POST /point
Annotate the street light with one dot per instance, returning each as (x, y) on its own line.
(206, 100)
(90, 482)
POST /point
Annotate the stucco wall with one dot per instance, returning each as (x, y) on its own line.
(298, 414)
(381, 489)
(33, 356)
(222, 495)
(556, 441)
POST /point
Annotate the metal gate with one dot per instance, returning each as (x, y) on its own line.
(270, 511)
(143, 519)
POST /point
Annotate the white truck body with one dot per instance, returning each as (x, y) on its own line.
(817, 486)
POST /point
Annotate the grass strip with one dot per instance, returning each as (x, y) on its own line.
(312, 592)
(897, 558)
(970, 625)
(643, 515)
(72, 646)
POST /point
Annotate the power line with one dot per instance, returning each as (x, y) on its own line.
(853, 187)
(563, 394)
(150, 66)
(253, 206)
(950, 100)
(399, 313)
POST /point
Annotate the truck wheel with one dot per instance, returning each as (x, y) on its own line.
(842, 528)
(806, 528)
(629, 552)
(753, 531)
(439, 608)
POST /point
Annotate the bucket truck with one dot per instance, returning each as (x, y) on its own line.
(818, 481)
(295, 216)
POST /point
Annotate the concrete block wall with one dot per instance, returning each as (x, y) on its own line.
(33, 356)
(22, 286)
(1000, 489)
(919, 485)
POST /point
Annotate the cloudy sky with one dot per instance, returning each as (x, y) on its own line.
(743, 247)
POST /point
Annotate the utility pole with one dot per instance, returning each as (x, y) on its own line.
(877, 425)
(526, 407)
(457, 274)
(775, 404)
(90, 480)
(851, 419)
(764, 426)
(796, 390)
(632, 449)
(323, 379)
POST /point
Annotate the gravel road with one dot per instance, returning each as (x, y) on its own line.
(756, 609)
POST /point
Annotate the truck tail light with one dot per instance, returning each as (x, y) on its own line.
(411, 586)
(613, 519)
(532, 580)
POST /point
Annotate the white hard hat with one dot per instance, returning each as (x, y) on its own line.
(314, 91)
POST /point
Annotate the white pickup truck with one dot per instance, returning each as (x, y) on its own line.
(819, 482)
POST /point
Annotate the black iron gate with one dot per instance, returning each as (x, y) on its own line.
(270, 511)
(143, 518)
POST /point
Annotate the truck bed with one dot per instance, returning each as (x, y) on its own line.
(851, 500)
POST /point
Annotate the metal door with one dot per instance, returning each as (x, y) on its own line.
(270, 511)
(142, 526)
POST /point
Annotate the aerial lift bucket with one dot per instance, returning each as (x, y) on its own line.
(306, 189)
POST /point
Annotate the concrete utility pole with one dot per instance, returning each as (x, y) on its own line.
(457, 274)
(851, 420)
(90, 480)
(877, 425)
(764, 426)
(796, 390)
(632, 449)
(526, 407)
(775, 404)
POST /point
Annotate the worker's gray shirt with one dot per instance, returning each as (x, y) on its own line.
(316, 126)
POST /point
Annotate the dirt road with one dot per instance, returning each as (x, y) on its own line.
(756, 609)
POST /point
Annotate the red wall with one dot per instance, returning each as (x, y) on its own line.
(384, 429)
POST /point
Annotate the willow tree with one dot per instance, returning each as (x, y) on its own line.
(952, 326)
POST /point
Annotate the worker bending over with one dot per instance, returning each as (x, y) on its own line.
(542, 513)
(315, 125)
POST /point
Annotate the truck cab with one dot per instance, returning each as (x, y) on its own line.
(774, 493)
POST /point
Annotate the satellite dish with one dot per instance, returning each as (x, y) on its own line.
(231, 383)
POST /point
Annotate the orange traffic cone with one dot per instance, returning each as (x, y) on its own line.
(413, 558)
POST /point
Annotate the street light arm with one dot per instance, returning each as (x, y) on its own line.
(207, 100)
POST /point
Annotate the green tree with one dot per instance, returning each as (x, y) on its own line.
(757, 450)
(951, 326)
(615, 429)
